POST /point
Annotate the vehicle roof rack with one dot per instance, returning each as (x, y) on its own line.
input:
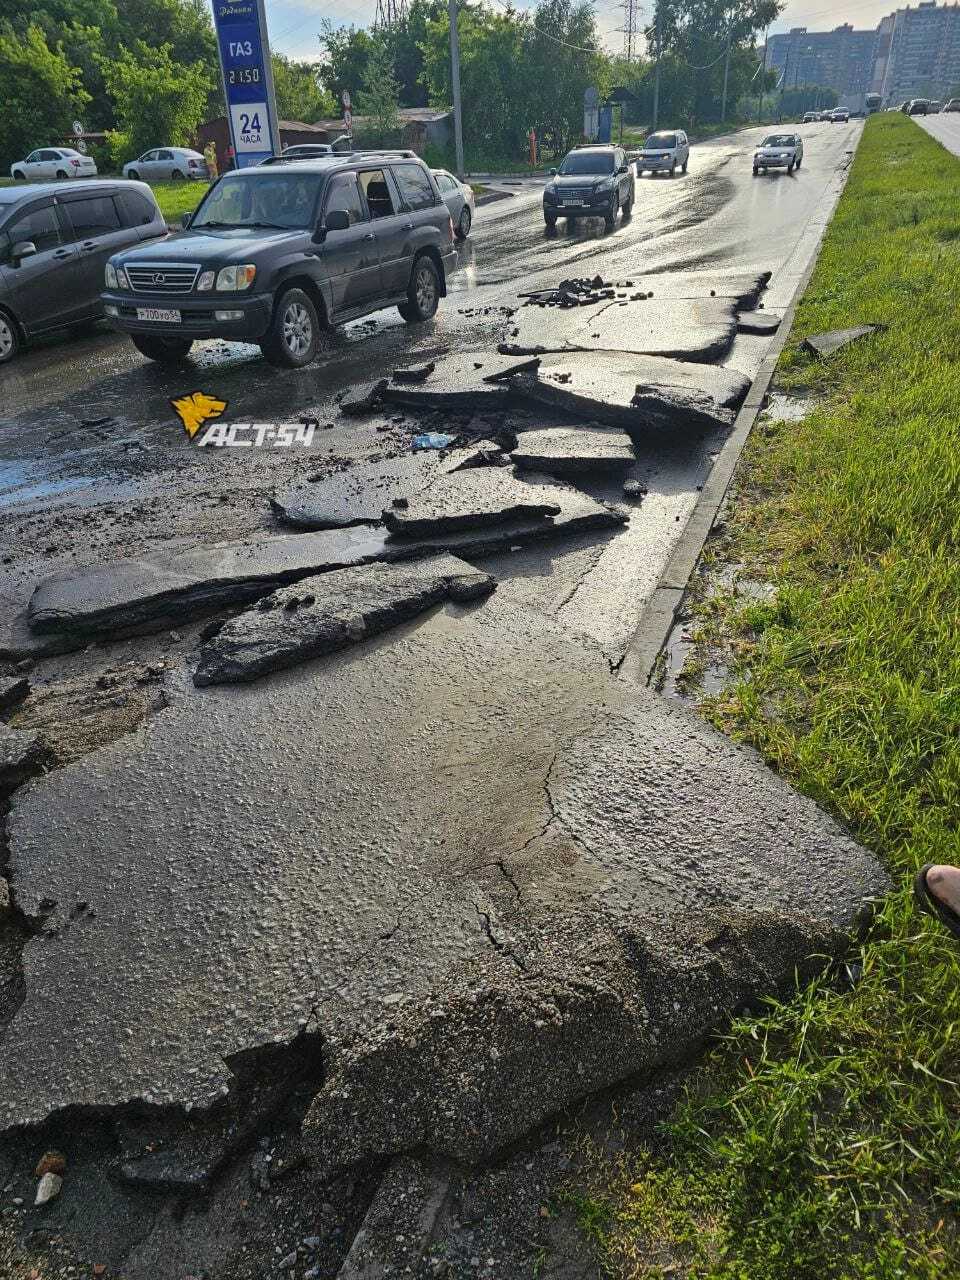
(403, 153)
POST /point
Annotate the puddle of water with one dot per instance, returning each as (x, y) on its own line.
(12, 495)
(789, 408)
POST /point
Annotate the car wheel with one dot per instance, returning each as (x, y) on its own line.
(790, 167)
(292, 339)
(628, 208)
(19, 176)
(756, 171)
(176, 175)
(610, 216)
(463, 226)
(423, 293)
(550, 221)
(9, 338)
(673, 169)
(685, 164)
(133, 175)
(163, 350)
(800, 162)
(61, 174)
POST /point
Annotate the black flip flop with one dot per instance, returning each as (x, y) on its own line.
(931, 904)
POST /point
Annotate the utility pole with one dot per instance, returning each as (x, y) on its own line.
(763, 76)
(455, 76)
(726, 73)
(656, 79)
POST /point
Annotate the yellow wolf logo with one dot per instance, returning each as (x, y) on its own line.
(196, 409)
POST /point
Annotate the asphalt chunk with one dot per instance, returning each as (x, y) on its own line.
(332, 611)
(571, 451)
(471, 499)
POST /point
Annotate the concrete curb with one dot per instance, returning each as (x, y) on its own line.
(660, 614)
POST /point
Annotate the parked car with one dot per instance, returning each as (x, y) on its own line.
(664, 153)
(840, 116)
(54, 243)
(459, 198)
(778, 151)
(273, 255)
(592, 182)
(917, 107)
(54, 162)
(812, 117)
(311, 150)
(164, 164)
(934, 108)
(952, 104)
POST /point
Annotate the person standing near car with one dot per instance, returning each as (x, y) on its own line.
(210, 156)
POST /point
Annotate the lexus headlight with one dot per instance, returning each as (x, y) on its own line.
(110, 276)
(233, 278)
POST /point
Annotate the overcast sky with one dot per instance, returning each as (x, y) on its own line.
(294, 23)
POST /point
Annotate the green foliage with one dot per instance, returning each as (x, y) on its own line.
(40, 93)
(299, 93)
(379, 97)
(826, 1130)
(155, 98)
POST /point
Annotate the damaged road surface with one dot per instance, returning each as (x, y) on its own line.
(489, 877)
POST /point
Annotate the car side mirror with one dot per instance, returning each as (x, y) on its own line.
(553, 173)
(337, 220)
(23, 249)
(186, 220)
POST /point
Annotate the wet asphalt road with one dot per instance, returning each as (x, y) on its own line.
(74, 489)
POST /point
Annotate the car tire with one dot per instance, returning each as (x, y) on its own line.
(800, 162)
(162, 350)
(610, 217)
(423, 292)
(684, 167)
(550, 222)
(18, 176)
(464, 224)
(9, 338)
(790, 167)
(293, 337)
(61, 174)
(628, 208)
(756, 172)
(673, 170)
(133, 175)
(176, 175)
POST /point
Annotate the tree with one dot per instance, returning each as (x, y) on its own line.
(563, 58)
(379, 99)
(348, 51)
(156, 99)
(299, 94)
(41, 93)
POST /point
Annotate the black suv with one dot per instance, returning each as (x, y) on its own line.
(274, 253)
(592, 182)
(55, 238)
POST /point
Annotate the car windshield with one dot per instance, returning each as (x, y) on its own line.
(587, 162)
(283, 200)
(659, 141)
(779, 140)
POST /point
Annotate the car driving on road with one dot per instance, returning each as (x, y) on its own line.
(592, 182)
(664, 153)
(778, 151)
(459, 198)
(840, 116)
(53, 162)
(54, 241)
(952, 104)
(273, 255)
(167, 164)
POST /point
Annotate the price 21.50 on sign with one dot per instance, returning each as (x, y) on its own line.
(247, 83)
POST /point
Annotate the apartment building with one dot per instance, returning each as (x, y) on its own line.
(924, 53)
(841, 59)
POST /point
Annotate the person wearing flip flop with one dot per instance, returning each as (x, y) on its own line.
(937, 891)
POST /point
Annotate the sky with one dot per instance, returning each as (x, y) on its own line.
(294, 24)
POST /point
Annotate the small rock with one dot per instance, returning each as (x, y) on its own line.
(48, 1188)
(312, 1242)
(634, 489)
(289, 1262)
(51, 1162)
(17, 1201)
(12, 691)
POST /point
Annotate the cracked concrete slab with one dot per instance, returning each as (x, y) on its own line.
(182, 582)
(467, 381)
(571, 451)
(487, 875)
(332, 611)
(828, 344)
(356, 495)
(638, 393)
(760, 323)
(23, 753)
(472, 499)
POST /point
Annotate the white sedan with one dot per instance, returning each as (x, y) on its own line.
(459, 199)
(779, 151)
(54, 162)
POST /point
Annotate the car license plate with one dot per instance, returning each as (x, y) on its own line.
(157, 313)
(571, 204)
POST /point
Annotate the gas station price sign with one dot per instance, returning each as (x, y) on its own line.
(247, 79)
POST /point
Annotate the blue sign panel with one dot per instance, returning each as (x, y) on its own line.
(247, 79)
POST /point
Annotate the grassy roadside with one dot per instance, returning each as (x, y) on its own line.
(821, 1139)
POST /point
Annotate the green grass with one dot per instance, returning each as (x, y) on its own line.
(820, 1140)
(174, 198)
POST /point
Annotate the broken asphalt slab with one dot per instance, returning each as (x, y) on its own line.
(529, 881)
(639, 393)
(823, 345)
(481, 497)
(183, 582)
(23, 753)
(760, 323)
(571, 451)
(356, 495)
(685, 318)
(468, 381)
(329, 612)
